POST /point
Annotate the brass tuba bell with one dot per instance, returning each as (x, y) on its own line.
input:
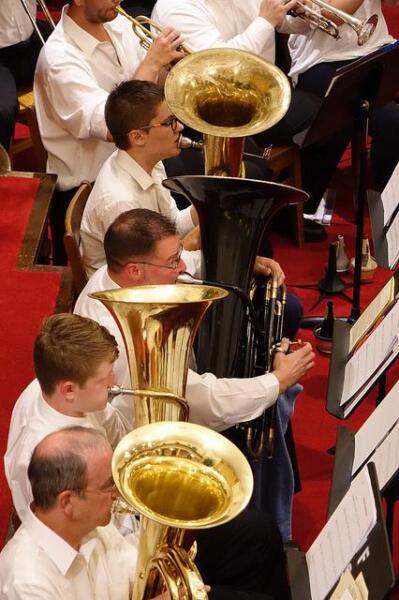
(227, 94)
(179, 476)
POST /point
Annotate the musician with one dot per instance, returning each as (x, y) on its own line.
(142, 247)
(19, 48)
(91, 50)
(145, 132)
(66, 546)
(315, 58)
(251, 26)
(73, 360)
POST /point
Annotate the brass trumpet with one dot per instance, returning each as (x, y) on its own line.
(363, 29)
(141, 27)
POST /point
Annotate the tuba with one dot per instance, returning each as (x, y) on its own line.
(178, 476)
(227, 95)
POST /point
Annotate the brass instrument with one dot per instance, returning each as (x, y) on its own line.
(363, 29)
(32, 19)
(158, 325)
(5, 163)
(233, 215)
(141, 27)
(178, 476)
(227, 95)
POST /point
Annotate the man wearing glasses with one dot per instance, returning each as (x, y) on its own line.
(145, 132)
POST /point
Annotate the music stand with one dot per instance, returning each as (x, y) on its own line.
(342, 351)
(380, 242)
(373, 558)
(354, 92)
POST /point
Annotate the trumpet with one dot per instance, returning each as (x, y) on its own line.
(141, 27)
(32, 19)
(363, 29)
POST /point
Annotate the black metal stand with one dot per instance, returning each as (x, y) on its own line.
(355, 91)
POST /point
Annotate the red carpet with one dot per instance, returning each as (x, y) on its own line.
(26, 297)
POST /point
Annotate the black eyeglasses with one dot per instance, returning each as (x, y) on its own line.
(173, 265)
(172, 122)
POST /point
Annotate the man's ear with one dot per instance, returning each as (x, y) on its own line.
(65, 502)
(137, 137)
(134, 273)
(67, 389)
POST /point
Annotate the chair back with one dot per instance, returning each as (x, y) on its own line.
(73, 219)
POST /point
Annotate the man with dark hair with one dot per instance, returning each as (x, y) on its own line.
(73, 358)
(145, 133)
(141, 248)
(91, 50)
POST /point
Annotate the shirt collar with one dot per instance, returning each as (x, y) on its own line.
(51, 415)
(84, 40)
(57, 549)
(142, 178)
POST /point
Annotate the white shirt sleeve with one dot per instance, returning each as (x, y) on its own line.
(200, 33)
(79, 108)
(222, 403)
(193, 262)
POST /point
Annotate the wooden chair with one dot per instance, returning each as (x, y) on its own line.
(73, 219)
(27, 115)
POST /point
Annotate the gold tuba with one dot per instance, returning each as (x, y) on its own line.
(177, 475)
(227, 95)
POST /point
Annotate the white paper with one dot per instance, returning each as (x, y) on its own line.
(390, 195)
(380, 346)
(384, 297)
(393, 243)
(375, 429)
(342, 536)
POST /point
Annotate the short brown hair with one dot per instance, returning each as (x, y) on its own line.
(134, 235)
(70, 347)
(131, 105)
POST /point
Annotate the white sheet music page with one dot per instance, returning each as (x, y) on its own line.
(393, 243)
(381, 345)
(390, 195)
(342, 536)
(370, 438)
(384, 297)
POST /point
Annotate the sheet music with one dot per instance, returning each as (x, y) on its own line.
(342, 536)
(392, 237)
(379, 347)
(374, 309)
(375, 429)
(390, 195)
(385, 457)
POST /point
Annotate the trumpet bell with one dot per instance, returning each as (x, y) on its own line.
(182, 475)
(227, 92)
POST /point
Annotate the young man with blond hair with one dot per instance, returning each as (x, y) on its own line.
(73, 360)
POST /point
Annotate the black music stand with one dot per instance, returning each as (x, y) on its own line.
(339, 359)
(373, 558)
(356, 90)
(376, 211)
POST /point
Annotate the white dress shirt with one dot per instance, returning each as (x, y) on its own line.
(37, 564)
(32, 419)
(215, 403)
(317, 47)
(74, 75)
(122, 184)
(223, 24)
(15, 25)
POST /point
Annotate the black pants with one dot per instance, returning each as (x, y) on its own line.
(17, 67)
(383, 123)
(245, 555)
(318, 161)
